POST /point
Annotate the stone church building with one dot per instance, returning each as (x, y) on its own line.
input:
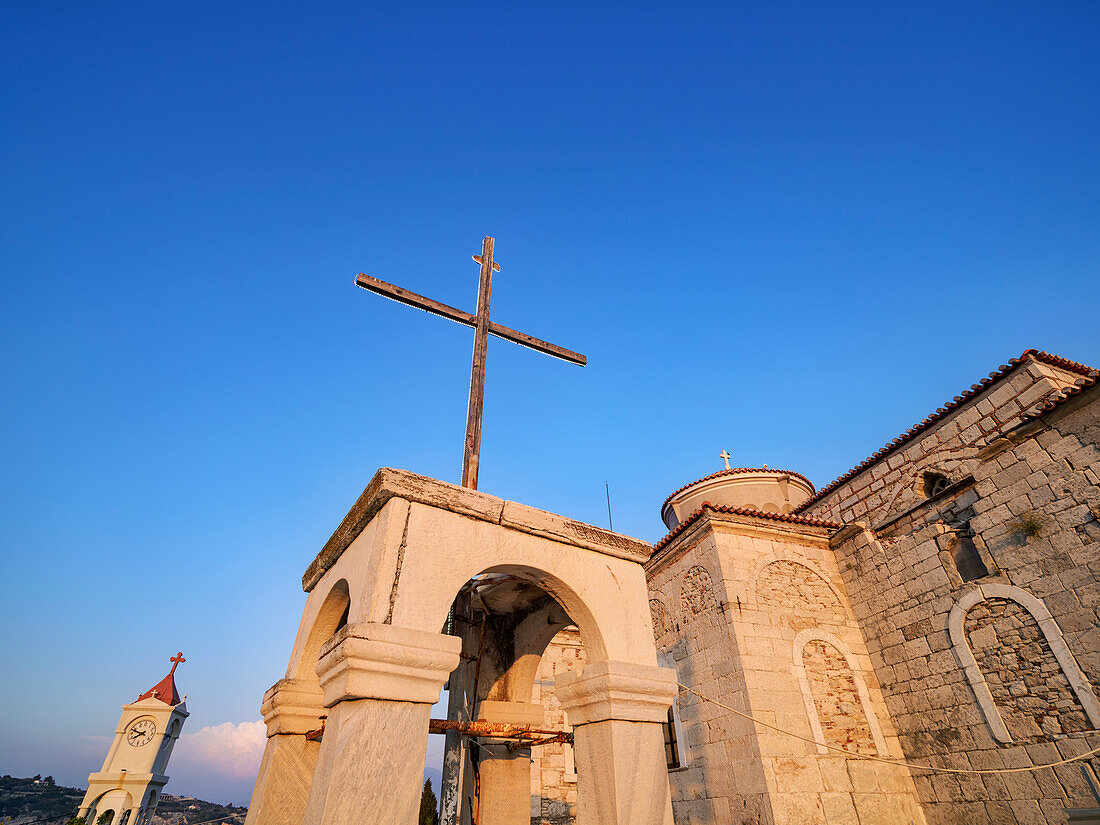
(783, 656)
(937, 604)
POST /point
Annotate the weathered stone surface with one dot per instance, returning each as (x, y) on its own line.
(391, 483)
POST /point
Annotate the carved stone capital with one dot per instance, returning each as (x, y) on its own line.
(380, 661)
(616, 690)
(292, 706)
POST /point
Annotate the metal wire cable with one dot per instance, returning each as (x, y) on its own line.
(869, 758)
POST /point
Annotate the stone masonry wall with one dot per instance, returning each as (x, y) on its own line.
(553, 777)
(721, 780)
(950, 447)
(1029, 688)
(839, 708)
(1033, 514)
(802, 655)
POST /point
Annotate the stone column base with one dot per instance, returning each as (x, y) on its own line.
(506, 774)
(291, 708)
(379, 682)
(616, 709)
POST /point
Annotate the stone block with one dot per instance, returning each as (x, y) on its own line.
(380, 661)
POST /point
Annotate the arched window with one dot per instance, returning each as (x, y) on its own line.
(998, 630)
(934, 484)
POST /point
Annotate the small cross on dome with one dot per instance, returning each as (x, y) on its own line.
(725, 456)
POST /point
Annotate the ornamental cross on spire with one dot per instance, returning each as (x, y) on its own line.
(176, 660)
(483, 327)
(725, 456)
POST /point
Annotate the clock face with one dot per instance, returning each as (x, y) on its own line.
(141, 732)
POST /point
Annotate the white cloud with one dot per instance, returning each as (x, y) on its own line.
(229, 749)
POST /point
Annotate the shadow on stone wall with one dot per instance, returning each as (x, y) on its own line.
(554, 812)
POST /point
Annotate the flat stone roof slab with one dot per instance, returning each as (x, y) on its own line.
(392, 483)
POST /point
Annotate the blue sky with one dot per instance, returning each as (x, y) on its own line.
(790, 230)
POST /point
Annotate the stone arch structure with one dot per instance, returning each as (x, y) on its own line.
(148, 805)
(1051, 633)
(783, 580)
(404, 550)
(802, 673)
(332, 614)
(294, 707)
(118, 802)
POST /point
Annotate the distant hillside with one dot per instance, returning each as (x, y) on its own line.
(39, 800)
(25, 800)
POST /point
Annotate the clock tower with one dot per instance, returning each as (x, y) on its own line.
(128, 786)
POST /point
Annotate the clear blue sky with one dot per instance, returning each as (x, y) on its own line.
(786, 229)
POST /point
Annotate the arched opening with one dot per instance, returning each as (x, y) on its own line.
(934, 483)
(150, 806)
(1030, 625)
(964, 554)
(113, 805)
(332, 616)
(517, 638)
(554, 765)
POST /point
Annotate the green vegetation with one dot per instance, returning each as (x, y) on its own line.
(27, 800)
(428, 805)
(22, 800)
(1028, 524)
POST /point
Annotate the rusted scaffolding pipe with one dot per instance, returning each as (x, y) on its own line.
(527, 735)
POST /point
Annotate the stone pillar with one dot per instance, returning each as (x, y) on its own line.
(118, 815)
(291, 708)
(379, 684)
(616, 710)
(505, 774)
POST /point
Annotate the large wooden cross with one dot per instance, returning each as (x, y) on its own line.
(483, 327)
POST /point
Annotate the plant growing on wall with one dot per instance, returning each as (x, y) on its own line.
(1028, 524)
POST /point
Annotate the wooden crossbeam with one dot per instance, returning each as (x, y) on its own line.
(413, 299)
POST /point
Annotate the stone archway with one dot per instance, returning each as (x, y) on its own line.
(116, 802)
(847, 672)
(404, 550)
(1076, 681)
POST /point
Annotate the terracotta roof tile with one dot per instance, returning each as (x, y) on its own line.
(790, 518)
(735, 471)
(1057, 399)
(164, 690)
(950, 406)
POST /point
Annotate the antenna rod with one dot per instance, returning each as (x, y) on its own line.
(607, 488)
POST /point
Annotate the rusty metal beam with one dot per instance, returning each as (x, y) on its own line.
(499, 730)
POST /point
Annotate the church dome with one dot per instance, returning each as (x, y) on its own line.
(752, 488)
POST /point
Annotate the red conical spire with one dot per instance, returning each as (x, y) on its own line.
(165, 689)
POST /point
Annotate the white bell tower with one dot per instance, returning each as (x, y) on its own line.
(129, 784)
